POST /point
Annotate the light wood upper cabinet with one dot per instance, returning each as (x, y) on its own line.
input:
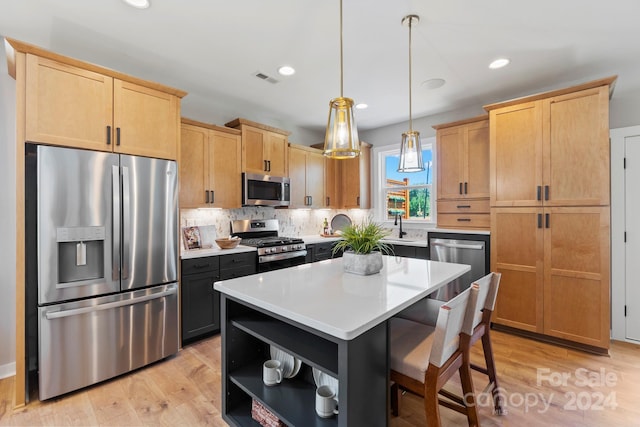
(194, 166)
(331, 179)
(355, 180)
(552, 151)
(72, 106)
(516, 155)
(462, 150)
(307, 174)
(146, 121)
(210, 160)
(264, 148)
(463, 159)
(348, 182)
(576, 151)
(67, 105)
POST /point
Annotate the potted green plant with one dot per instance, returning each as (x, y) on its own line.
(363, 248)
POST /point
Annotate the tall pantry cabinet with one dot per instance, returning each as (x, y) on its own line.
(549, 195)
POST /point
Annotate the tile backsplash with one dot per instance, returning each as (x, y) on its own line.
(293, 222)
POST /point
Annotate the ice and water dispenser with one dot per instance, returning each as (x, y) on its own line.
(80, 253)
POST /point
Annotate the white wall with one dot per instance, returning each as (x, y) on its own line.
(7, 220)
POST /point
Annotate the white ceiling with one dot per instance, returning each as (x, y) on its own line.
(212, 49)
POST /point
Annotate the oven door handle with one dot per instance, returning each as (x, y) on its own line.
(281, 256)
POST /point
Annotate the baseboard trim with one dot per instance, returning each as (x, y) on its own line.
(551, 340)
(7, 370)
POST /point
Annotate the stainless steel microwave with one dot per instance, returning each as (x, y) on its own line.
(265, 190)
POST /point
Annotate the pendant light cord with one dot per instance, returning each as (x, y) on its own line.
(341, 54)
(410, 103)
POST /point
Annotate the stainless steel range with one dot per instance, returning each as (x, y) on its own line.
(274, 252)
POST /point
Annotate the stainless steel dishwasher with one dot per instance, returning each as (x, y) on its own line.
(472, 251)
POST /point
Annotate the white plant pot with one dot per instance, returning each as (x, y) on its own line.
(363, 264)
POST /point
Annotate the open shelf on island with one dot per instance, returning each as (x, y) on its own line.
(310, 348)
(293, 400)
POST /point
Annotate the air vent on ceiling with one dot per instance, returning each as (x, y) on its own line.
(269, 79)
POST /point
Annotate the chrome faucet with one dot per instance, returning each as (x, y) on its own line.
(401, 233)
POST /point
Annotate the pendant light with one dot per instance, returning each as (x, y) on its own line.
(410, 148)
(341, 139)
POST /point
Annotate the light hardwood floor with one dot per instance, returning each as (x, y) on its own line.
(185, 390)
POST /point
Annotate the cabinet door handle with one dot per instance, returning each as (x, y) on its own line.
(465, 188)
(206, 192)
(546, 192)
(310, 200)
(269, 164)
(265, 165)
(539, 220)
(463, 206)
(358, 200)
(464, 220)
(212, 197)
(328, 201)
(546, 221)
(460, 188)
(201, 266)
(539, 193)
(108, 135)
(117, 136)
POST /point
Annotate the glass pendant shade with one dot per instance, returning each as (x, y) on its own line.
(410, 148)
(411, 153)
(341, 140)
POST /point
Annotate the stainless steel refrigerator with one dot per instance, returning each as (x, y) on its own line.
(104, 229)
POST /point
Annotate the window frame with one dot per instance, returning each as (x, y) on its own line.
(379, 187)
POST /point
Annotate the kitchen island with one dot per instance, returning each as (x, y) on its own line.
(333, 321)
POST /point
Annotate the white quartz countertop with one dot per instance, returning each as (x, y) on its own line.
(316, 238)
(457, 231)
(421, 243)
(214, 251)
(322, 296)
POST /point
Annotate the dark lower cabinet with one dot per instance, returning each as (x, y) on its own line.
(411, 251)
(321, 251)
(238, 265)
(199, 301)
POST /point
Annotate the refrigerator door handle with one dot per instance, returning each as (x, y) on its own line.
(77, 311)
(126, 222)
(115, 192)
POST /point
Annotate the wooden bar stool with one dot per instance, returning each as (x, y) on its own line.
(424, 358)
(487, 295)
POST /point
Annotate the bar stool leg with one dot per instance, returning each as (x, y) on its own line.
(491, 372)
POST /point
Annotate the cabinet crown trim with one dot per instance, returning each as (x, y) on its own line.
(607, 81)
(12, 46)
(305, 148)
(186, 121)
(461, 122)
(236, 123)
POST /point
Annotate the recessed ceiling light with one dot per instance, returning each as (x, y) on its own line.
(499, 63)
(286, 70)
(362, 106)
(138, 4)
(433, 83)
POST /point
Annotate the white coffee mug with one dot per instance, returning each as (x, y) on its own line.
(326, 402)
(272, 372)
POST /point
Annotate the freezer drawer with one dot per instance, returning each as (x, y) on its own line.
(85, 342)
